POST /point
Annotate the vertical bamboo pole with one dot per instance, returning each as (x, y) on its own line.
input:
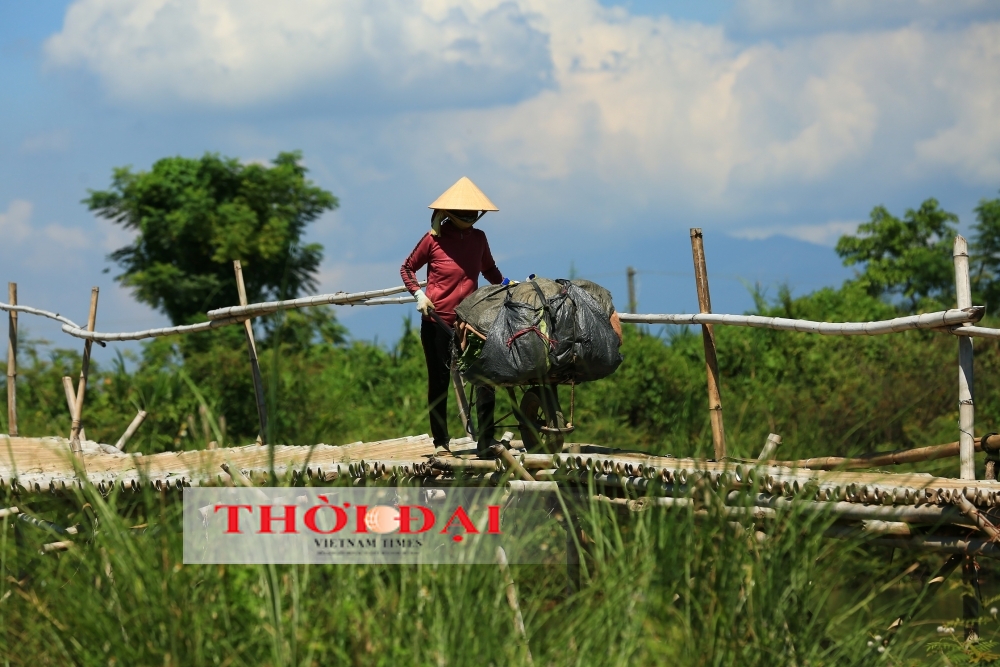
(632, 303)
(258, 385)
(12, 362)
(966, 387)
(966, 432)
(708, 338)
(74, 436)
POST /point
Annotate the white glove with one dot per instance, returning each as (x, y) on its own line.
(424, 305)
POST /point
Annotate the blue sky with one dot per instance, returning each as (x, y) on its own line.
(603, 131)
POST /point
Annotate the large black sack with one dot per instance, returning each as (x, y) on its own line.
(540, 331)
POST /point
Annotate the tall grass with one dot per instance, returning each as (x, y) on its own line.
(660, 588)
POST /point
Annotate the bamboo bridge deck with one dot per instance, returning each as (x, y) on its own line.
(37, 465)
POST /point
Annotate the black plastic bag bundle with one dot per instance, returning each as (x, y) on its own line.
(540, 331)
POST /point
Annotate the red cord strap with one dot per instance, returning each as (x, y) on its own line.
(550, 341)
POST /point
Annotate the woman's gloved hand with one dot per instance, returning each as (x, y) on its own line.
(424, 305)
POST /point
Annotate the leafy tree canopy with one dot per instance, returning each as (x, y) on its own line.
(985, 253)
(908, 257)
(193, 217)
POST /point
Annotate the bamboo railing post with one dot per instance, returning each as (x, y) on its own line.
(966, 407)
(633, 305)
(258, 385)
(74, 436)
(12, 362)
(708, 337)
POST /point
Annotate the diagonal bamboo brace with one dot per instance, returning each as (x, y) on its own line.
(708, 338)
(74, 437)
(130, 431)
(258, 384)
(969, 510)
(71, 402)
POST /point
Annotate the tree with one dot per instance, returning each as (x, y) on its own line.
(910, 258)
(986, 252)
(193, 217)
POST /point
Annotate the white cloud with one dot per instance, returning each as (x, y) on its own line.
(70, 238)
(54, 141)
(641, 113)
(826, 234)
(829, 15)
(15, 224)
(230, 53)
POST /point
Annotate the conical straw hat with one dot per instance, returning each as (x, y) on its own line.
(464, 196)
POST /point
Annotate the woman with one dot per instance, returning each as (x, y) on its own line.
(455, 254)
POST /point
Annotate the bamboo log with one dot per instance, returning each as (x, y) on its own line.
(258, 385)
(512, 463)
(458, 464)
(8, 511)
(977, 518)
(966, 408)
(71, 402)
(770, 447)
(927, 514)
(81, 391)
(878, 527)
(942, 320)
(511, 591)
(47, 525)
(975, 332)
(57, 546)
(708, 338)
(522, 486)
(12, 362)
(339, 298)
(942, 543)
(989, 443)
(130, 431)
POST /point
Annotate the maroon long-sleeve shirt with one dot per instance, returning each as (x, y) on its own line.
(454, 261)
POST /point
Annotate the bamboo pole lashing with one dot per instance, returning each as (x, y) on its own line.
(966, 407)
(708, 338)
(130, 431)
(12, 362)
(258, 384)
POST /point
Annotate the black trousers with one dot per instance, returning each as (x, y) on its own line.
(437, 344)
